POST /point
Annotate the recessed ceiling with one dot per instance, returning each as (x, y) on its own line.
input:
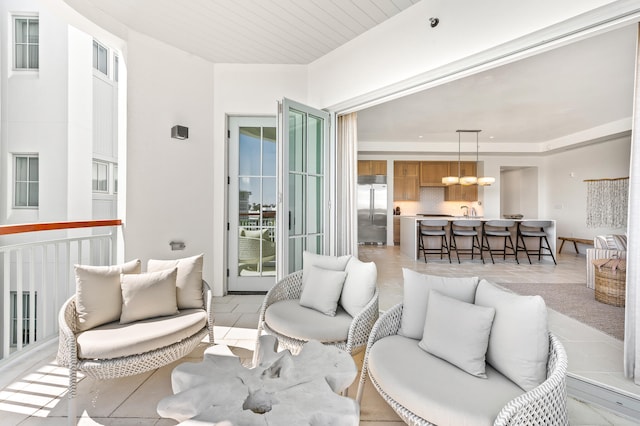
(247, 31)
(535, 100)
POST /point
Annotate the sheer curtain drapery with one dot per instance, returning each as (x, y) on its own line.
(632, 329)
(346, 175)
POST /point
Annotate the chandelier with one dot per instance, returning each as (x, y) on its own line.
(468, 180)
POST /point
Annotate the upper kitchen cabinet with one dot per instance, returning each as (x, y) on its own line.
(406, 181)
(372, 167)
(432, 172)
(462, 192)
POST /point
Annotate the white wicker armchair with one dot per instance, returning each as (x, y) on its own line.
(545, 404)
(290, 287)
(122, 366)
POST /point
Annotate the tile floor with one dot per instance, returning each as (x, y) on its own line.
(33, 394)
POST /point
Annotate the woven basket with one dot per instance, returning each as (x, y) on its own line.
(610, 283)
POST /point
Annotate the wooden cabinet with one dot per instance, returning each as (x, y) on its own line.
(406, 181)
(372, 167)
(462, 192)
(432, 172)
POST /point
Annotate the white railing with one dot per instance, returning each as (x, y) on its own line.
(36, 266)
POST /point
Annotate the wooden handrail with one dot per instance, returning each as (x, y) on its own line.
(53, 226)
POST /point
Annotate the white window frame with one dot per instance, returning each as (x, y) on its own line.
(96, 164)
(15, 181)
(14, 60)
(96, 57)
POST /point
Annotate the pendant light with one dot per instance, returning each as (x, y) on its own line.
(468, 180)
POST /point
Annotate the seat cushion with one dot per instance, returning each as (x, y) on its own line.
(434, 389)
(115, 340)
(289, 318)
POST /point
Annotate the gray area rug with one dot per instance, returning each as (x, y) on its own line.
(576, 301)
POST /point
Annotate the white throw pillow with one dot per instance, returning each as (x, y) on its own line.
(519, 341)
(416, 296)
(359, 286)
(189, 281)
(148, 295)
(98, 294)
(333, 263)
(323, 289)
(457, 332)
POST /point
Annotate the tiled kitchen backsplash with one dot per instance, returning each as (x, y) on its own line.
(432, 201)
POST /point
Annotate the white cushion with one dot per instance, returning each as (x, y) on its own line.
(148, 295)
(457, 332)
(434, 389)
(359, 286)
(519, 340)
(115, 340)
(289, 318)
(322, 290)
(416, 296)
(189, 281)
(321, 261)
(98, 294)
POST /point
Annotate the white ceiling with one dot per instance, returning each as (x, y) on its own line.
(533, 103)
(248, 31)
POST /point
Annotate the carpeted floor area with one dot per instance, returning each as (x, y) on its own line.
(576, 301)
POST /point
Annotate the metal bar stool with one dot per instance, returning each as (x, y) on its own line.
(534, 229)
(489, 230)
(434, 228)
(465, 228)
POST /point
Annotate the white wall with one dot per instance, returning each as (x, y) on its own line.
(565, 198)
(519, 192)
(169, 181)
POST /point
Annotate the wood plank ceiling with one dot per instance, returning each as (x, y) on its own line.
(252, 31)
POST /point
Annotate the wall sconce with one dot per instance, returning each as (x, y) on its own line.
(180, 132)
(177, 245)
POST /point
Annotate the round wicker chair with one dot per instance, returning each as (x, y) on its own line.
(290, 287)
(545, 404)
(67, 355)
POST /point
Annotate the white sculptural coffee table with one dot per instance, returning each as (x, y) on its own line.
(280, 390)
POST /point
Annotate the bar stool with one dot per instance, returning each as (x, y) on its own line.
(465, 228)
(489, 230)
(434, 228)
(534, 229)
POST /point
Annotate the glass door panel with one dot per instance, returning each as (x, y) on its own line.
(252, 203)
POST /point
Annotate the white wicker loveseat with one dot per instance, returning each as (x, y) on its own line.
(142, 340)
(355, 300)
(425, 389)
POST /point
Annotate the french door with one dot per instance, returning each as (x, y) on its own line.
(252, 204)
(303, 185)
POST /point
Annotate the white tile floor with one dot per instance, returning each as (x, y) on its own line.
(34, 393)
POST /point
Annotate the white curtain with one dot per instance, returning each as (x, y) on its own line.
(632, 324)
(346, 177)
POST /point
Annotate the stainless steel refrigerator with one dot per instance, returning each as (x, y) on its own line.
(372, 209)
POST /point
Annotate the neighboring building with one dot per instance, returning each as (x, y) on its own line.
(58, 129)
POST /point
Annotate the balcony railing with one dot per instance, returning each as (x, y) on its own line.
(36, 266)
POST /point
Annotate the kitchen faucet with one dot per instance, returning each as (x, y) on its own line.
(466, 212)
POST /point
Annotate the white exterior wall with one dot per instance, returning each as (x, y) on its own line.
(170, 182)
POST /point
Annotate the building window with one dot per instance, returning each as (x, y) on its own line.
(26, 43)
(100, 58)
(27, 181)
(115, 179)
(115, 68)
(100, 181)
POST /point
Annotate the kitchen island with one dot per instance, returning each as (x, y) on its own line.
(410, 231)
